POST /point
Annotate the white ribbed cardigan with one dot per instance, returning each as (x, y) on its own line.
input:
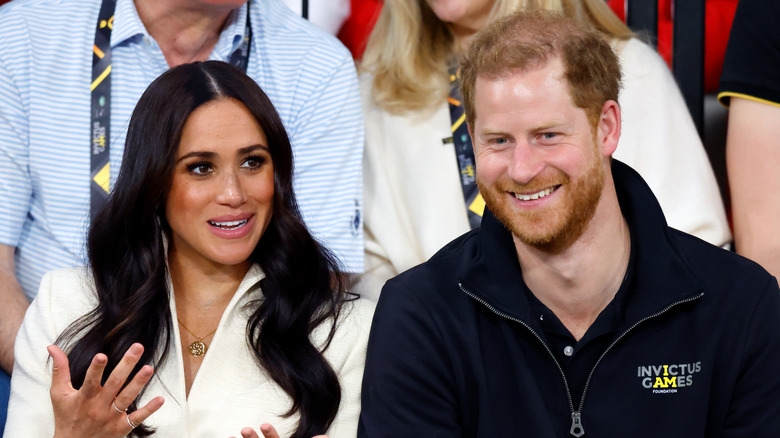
(230, 390)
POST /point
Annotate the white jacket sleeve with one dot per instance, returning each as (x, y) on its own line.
(60, 300)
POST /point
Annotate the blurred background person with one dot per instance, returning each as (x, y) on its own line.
(420, 191)
(750, 86)
(203, 280)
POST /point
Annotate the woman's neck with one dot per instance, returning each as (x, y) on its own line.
(185, 32)
(462, 36)
(203, 288)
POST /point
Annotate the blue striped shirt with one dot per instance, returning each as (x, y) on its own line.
(45, 76)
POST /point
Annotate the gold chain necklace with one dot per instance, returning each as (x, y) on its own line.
(197, 348)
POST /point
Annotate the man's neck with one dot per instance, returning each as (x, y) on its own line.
(184, 32)
(579, 282)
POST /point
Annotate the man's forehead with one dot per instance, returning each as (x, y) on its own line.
(552, 66)
(543, 84)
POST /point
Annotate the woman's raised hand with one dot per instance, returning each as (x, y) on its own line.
(94, 410)
(267, 430)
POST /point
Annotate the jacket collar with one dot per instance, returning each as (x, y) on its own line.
(661, 275)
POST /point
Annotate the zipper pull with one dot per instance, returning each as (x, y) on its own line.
(576, 425)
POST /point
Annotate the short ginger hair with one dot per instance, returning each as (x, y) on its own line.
(525, 41)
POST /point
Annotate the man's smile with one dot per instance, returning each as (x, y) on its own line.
(536, 195)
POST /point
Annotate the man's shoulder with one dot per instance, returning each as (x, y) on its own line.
(50, 10)
(35, 26)
(725, 274)
(438, 277)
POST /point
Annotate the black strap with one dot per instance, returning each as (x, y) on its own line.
(464, 152)
(100, 175)
(101, 107)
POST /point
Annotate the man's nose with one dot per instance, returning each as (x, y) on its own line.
(525, 163)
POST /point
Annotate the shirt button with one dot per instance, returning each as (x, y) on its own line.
(568, 351)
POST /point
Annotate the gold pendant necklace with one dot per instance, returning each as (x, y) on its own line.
(197, 348)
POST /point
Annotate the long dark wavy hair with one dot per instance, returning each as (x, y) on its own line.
(301, 289)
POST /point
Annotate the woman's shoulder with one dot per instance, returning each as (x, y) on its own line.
(74, 274)
(67, 292)
(77, 279)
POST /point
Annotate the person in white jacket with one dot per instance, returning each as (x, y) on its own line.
(413, 197)
(207, 309)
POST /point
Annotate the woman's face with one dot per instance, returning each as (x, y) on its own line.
(221, 196)
(470, 14)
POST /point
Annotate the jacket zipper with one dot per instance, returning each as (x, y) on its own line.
(576, 429)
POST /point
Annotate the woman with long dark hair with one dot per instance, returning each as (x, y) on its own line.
(204, 289)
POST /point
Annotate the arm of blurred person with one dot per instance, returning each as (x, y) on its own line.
(753, 162)
(14, 304)
(16, 186)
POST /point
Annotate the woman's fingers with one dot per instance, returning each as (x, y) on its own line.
(267, 430)
(130, 392)
(96, 410)
(94, 375)
(119, 375)
(60, 379)
(139, 416)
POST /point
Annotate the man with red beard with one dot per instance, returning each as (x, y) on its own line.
(574, 310)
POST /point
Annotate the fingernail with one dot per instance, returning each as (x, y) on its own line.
(136, 349)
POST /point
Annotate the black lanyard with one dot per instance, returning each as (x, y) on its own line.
(464, 152)
(100, 127)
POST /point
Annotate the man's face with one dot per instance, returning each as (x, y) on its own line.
(539, 167)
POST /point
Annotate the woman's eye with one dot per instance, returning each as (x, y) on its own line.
(199, 168)
(253, 162)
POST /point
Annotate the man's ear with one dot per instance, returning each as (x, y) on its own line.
(608, 128)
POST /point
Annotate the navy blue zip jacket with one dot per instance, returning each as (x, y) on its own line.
(455, 350)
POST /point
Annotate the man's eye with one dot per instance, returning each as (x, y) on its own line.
(500, 141)
(549, 135)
